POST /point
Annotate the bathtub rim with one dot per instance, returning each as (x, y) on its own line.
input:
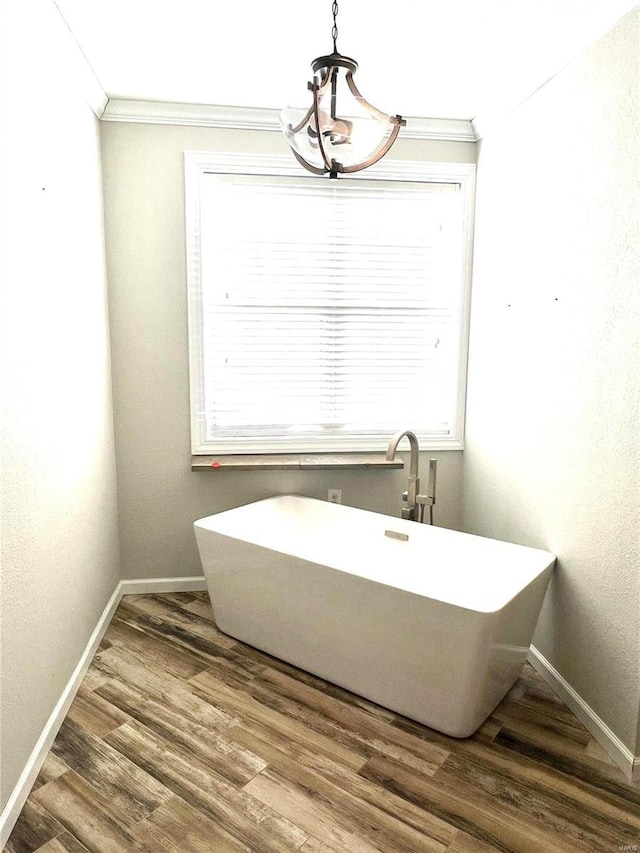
(546, 569)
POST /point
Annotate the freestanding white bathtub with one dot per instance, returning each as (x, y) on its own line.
(425, 621)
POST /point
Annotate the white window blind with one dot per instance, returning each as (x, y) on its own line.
(329, 313)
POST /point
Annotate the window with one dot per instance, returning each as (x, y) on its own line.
(326, 314)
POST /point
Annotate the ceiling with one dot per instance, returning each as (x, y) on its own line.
(447, 59)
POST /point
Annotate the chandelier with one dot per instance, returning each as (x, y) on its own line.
(340, 132)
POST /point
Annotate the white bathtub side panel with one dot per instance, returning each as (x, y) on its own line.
(515, 624)
(513, 629)
(421, 658)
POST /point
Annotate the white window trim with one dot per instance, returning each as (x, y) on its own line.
(199, 163)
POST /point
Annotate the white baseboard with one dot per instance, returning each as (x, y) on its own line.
(19, 795)
(610, 742)
(142, 586)
(16, 801)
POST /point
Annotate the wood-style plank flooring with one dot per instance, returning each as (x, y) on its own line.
(183, 739)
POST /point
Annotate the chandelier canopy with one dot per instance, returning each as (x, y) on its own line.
(340, 132)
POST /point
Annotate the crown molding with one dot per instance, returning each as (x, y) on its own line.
(197, 115)
(258, 118)
(96, 97)
(446, 129)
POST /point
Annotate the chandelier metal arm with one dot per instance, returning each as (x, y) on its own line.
(301, 124)
(314, 88)
(315, 169)
(316, 112)
(363, 101)
(378, 154)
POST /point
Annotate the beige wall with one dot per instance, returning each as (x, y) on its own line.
(159, 497)
(553, 437)
(59, 521)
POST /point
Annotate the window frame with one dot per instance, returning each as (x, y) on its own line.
(199, 163)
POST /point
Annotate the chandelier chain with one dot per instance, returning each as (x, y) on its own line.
(334, 31)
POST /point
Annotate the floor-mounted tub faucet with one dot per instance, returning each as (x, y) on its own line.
(414, 501)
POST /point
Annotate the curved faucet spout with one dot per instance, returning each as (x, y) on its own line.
(415, 502)
(413, 443)
(414, 481)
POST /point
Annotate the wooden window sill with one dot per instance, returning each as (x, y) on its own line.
(295, 462)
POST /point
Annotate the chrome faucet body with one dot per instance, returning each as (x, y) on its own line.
(413, 500)
(408, 511)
